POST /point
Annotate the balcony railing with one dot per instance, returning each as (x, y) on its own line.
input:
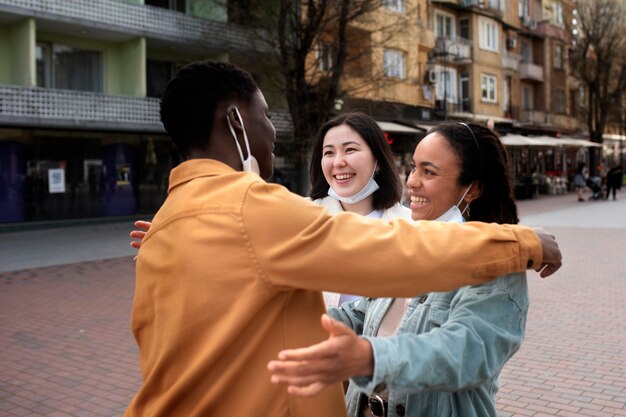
(483, 4)
(532, 116)
(511, 61)
(529, 71)
(43, 107)
(454, 49)
(140, 20)
(454, 106)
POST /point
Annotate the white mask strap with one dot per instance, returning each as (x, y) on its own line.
(245, 136)
(457, 204)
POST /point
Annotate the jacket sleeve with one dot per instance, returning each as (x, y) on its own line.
(485, 327)
(351, 314)
(296, 244)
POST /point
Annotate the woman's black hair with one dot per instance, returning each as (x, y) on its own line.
(191, 97)
(388, 179)
(483, 159)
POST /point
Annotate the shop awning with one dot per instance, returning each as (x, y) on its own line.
(546, 141)
(391, 127)
(582, 143)
(519, 140)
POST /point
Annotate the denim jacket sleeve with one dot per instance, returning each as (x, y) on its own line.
(351, 314)
(459, 346)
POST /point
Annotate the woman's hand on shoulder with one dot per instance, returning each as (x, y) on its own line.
(139, 234)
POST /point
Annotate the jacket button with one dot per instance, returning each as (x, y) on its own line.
(423, 299)
(529, 264)
(400, 409)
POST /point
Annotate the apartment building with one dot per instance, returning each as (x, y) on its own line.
(80, 82)
(505, 61)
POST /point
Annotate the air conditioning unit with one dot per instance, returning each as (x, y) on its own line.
(432, 76)
(528, 22)
(511, 43)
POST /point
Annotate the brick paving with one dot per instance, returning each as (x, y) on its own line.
(65, 342)
(66, 349)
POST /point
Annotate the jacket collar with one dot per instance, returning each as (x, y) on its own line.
(195, 168)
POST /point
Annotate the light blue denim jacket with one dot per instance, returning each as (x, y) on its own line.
(446, 357)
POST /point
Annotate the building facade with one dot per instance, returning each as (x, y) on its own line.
(80, 82)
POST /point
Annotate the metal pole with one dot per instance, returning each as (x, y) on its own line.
(621, 132)
(445, 80)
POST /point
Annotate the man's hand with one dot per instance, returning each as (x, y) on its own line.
(551, 253)
(307, 371)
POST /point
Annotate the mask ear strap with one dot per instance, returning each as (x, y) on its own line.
(232, 131)
(375, 166)
(464, 194)
(245, 136)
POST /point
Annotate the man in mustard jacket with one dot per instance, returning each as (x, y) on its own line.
(231, 270)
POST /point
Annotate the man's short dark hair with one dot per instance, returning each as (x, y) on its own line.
(191, 97)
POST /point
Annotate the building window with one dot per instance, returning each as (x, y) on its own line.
(158, 74)
(527, 99)
(581, 97)
(496, 4)
(445, 84)
(325, 56)
(487, 34)
(558, 13)
(444, 26)
(394, 5)
(464, 28)
(68, 68)
(178, 5)
(559, 101)
(523, 8)
(394, 64)
(558, 56)
(488, 85)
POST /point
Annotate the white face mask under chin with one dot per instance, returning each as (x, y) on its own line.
(250, 163)
(369, 189)
(454, 214)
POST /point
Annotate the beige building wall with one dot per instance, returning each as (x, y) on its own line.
(409, 33)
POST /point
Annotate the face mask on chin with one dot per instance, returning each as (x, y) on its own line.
(250, 163)
(454, 214)
(369, 189)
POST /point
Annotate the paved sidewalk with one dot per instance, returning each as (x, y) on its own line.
(66, 349)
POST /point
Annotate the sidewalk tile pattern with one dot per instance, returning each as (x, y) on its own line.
(66, 349)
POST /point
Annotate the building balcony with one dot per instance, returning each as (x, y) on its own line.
(454, 49)
(115, 20)
(66, 109)
(511, 61)
(529, 71)
(530, 116)
(493, 7)
(454, 106)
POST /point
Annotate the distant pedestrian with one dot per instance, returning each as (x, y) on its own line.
(579, 180)
(614, 179)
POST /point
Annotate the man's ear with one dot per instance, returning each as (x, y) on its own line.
(231, 115)
(474, 192)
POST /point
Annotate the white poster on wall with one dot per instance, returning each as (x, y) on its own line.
(56, 180)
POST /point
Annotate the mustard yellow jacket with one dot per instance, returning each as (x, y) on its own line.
(231, 272)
